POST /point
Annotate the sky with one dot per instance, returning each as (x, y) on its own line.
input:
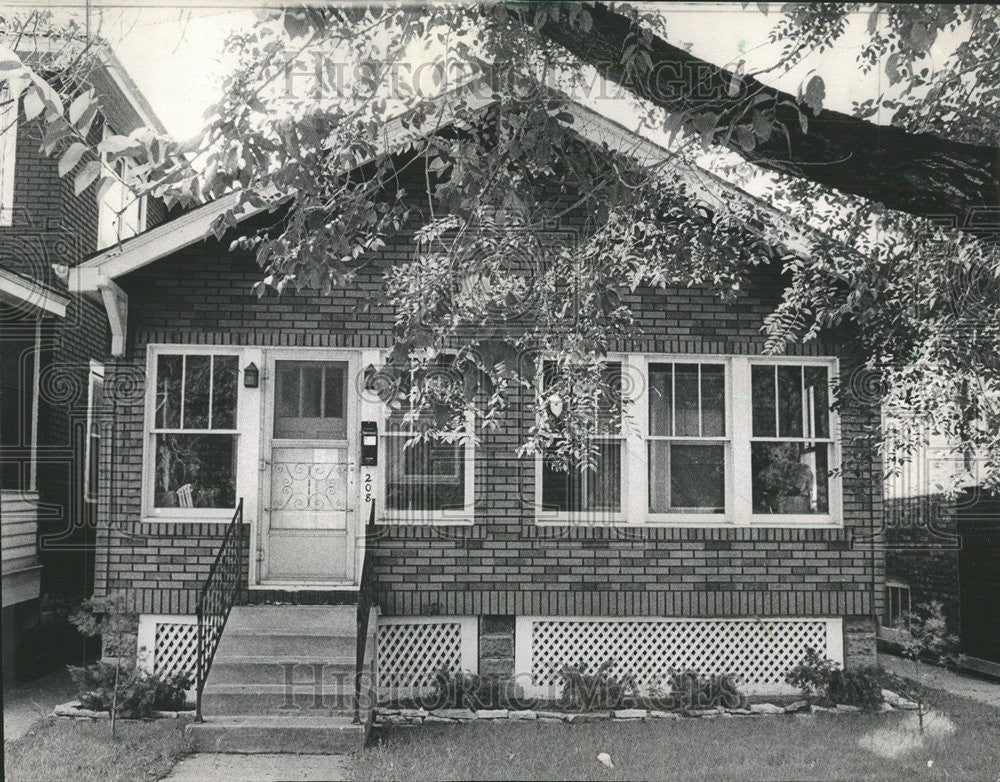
(173, 51)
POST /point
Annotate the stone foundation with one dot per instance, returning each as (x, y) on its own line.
(859, 641)
(496, 645)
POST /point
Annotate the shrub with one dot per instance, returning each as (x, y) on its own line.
(460, 689)
(821, 679)
(598, 690)
(139, 693)
(812, 675)
(691, 690)
(856, 687)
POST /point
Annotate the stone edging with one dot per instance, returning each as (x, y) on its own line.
(73, 710)
(389, 716)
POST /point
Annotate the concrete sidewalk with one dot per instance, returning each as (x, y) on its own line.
(970, 687)
(206, 767)
(24, 704)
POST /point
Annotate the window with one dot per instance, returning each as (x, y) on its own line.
(310, 400)
(711, 440)
(432, 476)
(597, 490)
(897, 605)
(790, 444)
(8, 153)
(193, 436)
(687, 438)
(121, 213)
(92, 456)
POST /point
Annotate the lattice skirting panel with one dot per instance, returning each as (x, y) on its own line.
(168, 644)
(758, 652)
(410, 650)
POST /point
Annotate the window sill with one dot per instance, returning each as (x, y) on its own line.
(687, 523)
(425, 519)
(192, 518)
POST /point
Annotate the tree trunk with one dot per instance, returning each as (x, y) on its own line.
(928, 176)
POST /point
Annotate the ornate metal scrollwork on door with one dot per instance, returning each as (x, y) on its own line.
(308, 486)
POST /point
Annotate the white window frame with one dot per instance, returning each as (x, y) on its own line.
(456, 517)
(244, 424)
(890, 584)
(111, 223)
(739, 476)
(93, 432)
(596, 518)
(8, 154)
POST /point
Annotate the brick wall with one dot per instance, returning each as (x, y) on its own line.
(503, 564)
(51, 225)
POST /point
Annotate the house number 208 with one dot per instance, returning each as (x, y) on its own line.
(368, 487)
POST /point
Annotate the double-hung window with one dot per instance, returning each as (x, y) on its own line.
(595, 491)
(193, 437)
(428, 478)
(687, 437)
(715, 440)
(791, 443)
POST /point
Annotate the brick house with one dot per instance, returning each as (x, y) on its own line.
(476, 559)
(54, 348)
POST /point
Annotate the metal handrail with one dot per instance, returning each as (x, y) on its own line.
(221, 591)
(366, 599)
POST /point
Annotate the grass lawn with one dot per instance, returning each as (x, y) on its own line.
(820, 747)
(61, 749)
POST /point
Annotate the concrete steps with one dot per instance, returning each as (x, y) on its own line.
(299, 735)
(283, 680)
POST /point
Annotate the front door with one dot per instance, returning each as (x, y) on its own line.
(308, 524)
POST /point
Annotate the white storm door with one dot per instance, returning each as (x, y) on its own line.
(308, 532)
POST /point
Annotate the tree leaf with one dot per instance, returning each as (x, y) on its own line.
(86, 176)
(33, 104)
(9, 61)
(745, 137)
(86, 119)
(814, 94)
(71, 157)
(78, 106)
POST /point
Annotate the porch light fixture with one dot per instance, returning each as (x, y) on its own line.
(251, 376)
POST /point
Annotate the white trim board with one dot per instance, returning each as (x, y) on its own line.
(22, 289)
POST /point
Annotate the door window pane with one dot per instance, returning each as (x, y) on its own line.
(309, 400)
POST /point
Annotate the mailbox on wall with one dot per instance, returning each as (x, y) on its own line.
(369, 444)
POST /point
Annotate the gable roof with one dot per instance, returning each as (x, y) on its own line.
(193, 226)
(122, 103)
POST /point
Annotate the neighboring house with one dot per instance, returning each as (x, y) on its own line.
(54, 351)
(712, 538)
(943, 550)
